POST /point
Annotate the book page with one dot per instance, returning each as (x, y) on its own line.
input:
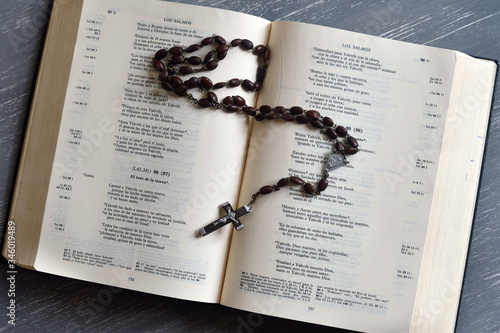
(137, 170)
(351, 256)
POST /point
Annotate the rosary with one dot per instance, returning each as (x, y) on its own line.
(175, 62)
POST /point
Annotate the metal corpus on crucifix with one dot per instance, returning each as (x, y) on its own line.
(232, 216)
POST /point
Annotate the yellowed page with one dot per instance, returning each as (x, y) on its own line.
(138, 171)
(350, 257)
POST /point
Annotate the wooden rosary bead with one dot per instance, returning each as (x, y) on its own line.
(227, 100)
(212, 65)
(328, 121)
(296, 180)
(212, 97)
(234, 82)
(341, 131)
(296, 110)
(313, 114)
(246, 44)
(247, 84)
(238, 100)
(265, 109)
(260, 117)
(176, 81)
(207, 41)
(222, 48)
(267, 54)
(158, 64)
(330, 132)
(261, 74)
(309, 188)
(232, 108)
(350, 150)
(192, 48)
(177, 59)
(160, 54)
(266, 189)
(163, 76)
(317, 123)
(180, 90)
(194, 60)
(219, 40)
(339, 146)
(208, 57)
(301, 119)
(272, 116)
(322, 184)
(176, 50)
(251, 111)
(236, 42)
(219, 85)
(193, 82)
(259, 49)
(221, 55)
(279, 109)
(282, 182)
(288, 117)
(205, 82)
(204, 102)
(257, 85)
(353, 142)
(186, 70)
(167, 86)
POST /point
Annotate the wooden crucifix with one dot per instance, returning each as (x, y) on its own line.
(231, 216)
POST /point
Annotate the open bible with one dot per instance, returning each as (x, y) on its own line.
(117, 175)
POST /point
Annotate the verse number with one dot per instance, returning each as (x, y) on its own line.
(310, 308)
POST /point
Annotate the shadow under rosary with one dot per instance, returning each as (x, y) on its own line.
(177, 61)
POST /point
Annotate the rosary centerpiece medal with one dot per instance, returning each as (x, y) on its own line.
(177, 61)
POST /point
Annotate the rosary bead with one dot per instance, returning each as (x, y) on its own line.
(265, 109)
(219, 85)
(166, 86)
(177, 50)
(279, 109)
(246, 44)
(296, 180)
(238, 100)
(236, 42)
(227, 100)
(220, 40)
(288, 117)
(192, 48)
(260, 117)
(259, 49)
(231, 108)
(212, 97)
(207, 41)
(221, 55)
(158, 64)
(208, 57)
(331, 133)
(251, 111)
(163, 76)
(222, 48)
(193, 82)
(176, 81)
(261, 74)
(317, 123)
(341, 131)
(353, 142)
(180, 90)
(212, 65)
(313, 114)
(350, 150)
(204, 102)
(301, 119)
(328, 121)
(339, 146)
(296, 110)
(282, 182)
(272, 116)
(160, 54)
(266, 189)
(322, 184)
(309, 188)
(257, 85)
(194, 60)
(247, 84)
(205, 82)
(234, 82)
(267, 54)
(186, 70)
(177, 59)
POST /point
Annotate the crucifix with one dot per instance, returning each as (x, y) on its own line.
(231, 216)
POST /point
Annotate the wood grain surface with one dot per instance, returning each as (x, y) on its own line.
(46, 303)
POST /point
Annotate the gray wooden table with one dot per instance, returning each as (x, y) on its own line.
(46, 303)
